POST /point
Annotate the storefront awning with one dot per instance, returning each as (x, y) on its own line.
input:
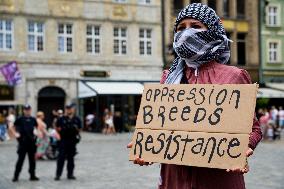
(85, 91)
(115, 88)
(269, 93)
(279, 86)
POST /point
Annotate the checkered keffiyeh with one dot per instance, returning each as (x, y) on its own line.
(196, 47)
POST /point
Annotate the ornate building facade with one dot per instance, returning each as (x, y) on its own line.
(60, 44)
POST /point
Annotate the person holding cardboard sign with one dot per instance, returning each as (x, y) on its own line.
(202, 50)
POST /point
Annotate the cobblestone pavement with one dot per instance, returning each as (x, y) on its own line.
(102, 163)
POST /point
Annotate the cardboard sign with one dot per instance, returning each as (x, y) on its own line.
(200, 125)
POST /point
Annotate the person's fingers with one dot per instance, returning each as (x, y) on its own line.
(139, 161)
(246, 169)
(129, 145)
(249, 152)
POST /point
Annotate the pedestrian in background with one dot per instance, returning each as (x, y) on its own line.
(68, 127)
(274, 113)
(25, 127)
(110, 124)
(11, 118)
(281, 117)
(117, 121)
(3, 127)
(42, 136)
(105, 118)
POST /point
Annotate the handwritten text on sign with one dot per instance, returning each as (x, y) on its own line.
(197, 125)
(206, 108)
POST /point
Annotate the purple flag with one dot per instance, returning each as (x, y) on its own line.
(11, 73)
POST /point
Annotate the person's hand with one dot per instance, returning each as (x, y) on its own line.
(17, 135)
(249, 152)
(239, 170)
(138, 160)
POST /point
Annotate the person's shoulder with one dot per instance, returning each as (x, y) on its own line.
(164, 76)
(233, 74)
(20, 118)
(229, 69)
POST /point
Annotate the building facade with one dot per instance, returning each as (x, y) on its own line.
(58, 43)
(272, 43)
(240, 19)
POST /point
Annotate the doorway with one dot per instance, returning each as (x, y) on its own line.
(50, 99)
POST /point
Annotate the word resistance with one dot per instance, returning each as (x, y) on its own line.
(174, 146)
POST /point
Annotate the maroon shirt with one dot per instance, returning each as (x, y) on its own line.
(186, 177)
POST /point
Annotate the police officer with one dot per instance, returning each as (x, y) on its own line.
(68, 127)
(25, 126)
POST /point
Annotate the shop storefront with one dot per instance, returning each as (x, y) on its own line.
(270, 96)
(7, 100)
(120, 97)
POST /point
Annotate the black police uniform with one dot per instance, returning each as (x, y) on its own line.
(69, 132)
(26, 144)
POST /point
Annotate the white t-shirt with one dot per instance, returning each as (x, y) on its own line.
(11, 119)
(281, 114)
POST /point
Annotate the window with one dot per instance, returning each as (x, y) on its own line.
(144, 1)
(226, 8)
(65, 38)
(178, 5)
(6, 35)
(120, 40)
(241, 48)
(274, 52)
(120, 1)
(241, 13)
(6, 92)
(145, 41)
(212, 4)
(93, 39)
(35, 36)
(273, 16)
(195, 1)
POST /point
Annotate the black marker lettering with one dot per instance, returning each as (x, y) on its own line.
(224, 97)
(149, 140)
(138, 142)
(216, 113)
(201, 92)
(211, 95)
(165, 91)
(192, 92)
(177, 148)
(196, 117)
(185, 110)
(162, 144)
(147, 113)
(162, 110)
(200, 144)
(233, 143)
(169, 140)
(238, 93)
(186, 140)
(180, 94)
(218, 147)
(213, 148)
(173, 110)
(149, 94)
(156, 94)
(171, 94)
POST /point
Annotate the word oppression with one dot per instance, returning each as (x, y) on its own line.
(200, 125)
